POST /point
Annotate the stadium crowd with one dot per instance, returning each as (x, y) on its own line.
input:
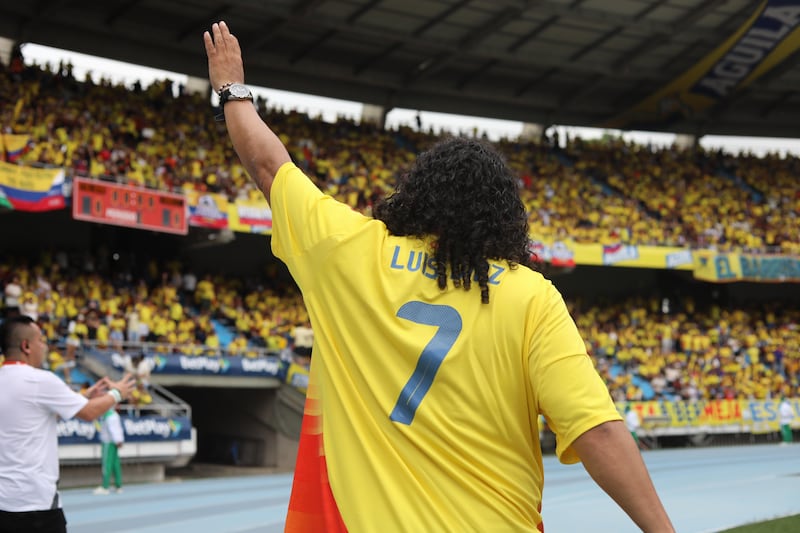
(75, 298)
(690, 352)
(162, 137)
(694, 352)
(703, 199)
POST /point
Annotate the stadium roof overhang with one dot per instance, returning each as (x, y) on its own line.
(689, 66)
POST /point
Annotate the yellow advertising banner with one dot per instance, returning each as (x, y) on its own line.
(250, 216)
(630, 255)
(627, 255)
(706, 265)
(32, 189)
(30, 179)
(753, 416)
(728, 267)
(691, 414)
(768, 37)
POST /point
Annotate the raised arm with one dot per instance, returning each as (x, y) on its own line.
(259, 149)
(611, 457)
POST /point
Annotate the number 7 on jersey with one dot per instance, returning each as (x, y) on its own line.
(449, 322)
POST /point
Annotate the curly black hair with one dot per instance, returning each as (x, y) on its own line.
(463, 194)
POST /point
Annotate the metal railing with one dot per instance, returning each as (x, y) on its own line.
(165, 403)
(156, 348)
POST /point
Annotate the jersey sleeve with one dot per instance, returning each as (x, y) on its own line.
(567, 389)
(57, 397)
(303, 217)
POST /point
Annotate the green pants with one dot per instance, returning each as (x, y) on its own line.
(786, 432)
(111, 465)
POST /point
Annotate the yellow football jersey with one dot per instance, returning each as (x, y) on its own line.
(423, 404)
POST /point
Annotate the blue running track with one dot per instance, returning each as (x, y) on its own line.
(705, 490)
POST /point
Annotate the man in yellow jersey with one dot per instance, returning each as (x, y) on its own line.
(435, 348)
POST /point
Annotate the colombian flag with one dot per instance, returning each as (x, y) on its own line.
(15, 146)
(4, 203)
(32, 189)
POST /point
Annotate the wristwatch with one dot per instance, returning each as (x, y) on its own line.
(234, 91)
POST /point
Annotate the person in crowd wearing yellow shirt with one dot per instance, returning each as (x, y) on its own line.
(55, 360)
(237, 346)
(212, 343)
(420, 315)
(204, 293)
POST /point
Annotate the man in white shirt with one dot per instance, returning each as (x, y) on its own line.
(188, 286)
(111, 438)
(13, 294)
(303, 337)
(786, 414)
(31, 402)
(633, 423)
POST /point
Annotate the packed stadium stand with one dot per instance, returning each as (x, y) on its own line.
(640, 241)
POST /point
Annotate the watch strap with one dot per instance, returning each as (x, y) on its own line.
(226, 96)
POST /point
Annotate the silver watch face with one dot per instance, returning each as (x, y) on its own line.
(237, 90)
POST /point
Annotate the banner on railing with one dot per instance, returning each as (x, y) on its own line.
(620, 254)
(749, 416)
(250, 216)
(727, 267)
(557, 254)
(32, 189)
(706, 265)
(124, 205)
(232, 365)
(208, 210)
(136, 429)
